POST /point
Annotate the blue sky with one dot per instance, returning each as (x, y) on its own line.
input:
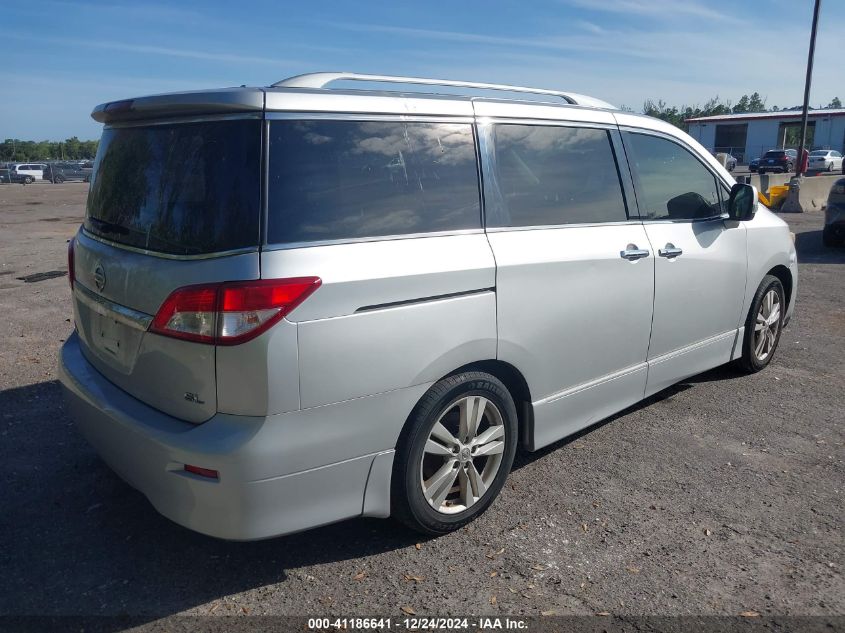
(61, 58)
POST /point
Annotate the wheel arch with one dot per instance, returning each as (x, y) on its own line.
(516, 385)
(785, 277)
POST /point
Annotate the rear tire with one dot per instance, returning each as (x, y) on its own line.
(28, 180)
(454, 454)
(763, 325)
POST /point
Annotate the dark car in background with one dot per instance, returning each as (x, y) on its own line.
(58, 173)
(778, 161)
(10, 176)
(834, 215)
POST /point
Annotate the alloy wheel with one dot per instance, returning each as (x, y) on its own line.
(463, 454)
(767, 325)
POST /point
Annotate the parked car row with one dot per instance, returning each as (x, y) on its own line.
(55, 172)
(26, 172)
(784, 160)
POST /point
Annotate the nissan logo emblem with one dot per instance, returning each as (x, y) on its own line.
(100, 277)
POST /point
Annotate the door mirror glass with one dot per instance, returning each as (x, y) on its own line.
(742, 204)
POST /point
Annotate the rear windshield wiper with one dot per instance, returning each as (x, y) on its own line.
(108, 227)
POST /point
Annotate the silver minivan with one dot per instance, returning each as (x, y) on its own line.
(294, 305)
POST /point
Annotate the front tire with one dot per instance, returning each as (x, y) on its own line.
(763, 325)
(454, 454)
(28, 180)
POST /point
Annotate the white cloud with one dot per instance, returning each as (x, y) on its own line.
(573, 43)
(590, 27)
(679, 63)
(153, 50)
(666, 9)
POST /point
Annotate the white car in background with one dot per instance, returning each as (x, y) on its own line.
(825, 160)
(28, 172)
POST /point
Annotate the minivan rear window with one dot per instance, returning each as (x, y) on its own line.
(179, 189)
(338, 180)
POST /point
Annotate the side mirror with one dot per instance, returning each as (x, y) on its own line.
(742, 204)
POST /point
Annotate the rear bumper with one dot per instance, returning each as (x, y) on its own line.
(256, 495)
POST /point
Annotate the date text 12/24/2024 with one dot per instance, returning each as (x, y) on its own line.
(416, 624)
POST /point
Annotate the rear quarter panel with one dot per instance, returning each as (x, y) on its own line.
(389, 314)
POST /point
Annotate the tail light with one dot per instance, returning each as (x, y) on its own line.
(230, 313)
(71, 275)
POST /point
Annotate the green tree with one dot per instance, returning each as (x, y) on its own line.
(756, 103)
(661, 111)
(836, 103)
(715, 107)
(741, 105)
(712, 107)
(23, 151)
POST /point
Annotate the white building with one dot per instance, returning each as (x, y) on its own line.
(748, 136)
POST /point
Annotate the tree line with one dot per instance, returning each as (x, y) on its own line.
(16, 150)
(715, 107)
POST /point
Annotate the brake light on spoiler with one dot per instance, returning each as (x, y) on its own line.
(230, 313)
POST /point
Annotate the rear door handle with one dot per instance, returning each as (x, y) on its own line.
(670, 251)
(633, 253)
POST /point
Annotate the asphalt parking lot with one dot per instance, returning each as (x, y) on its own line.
(722, 495)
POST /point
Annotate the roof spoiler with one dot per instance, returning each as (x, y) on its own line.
(222, 101)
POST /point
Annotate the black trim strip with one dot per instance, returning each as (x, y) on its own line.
(396, 304)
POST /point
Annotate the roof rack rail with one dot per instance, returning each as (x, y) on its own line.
(322, 79)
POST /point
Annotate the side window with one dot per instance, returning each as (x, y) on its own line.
(548, 175)
(351, 179)
(671, 183)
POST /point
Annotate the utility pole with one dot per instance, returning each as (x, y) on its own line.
(800, 163)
